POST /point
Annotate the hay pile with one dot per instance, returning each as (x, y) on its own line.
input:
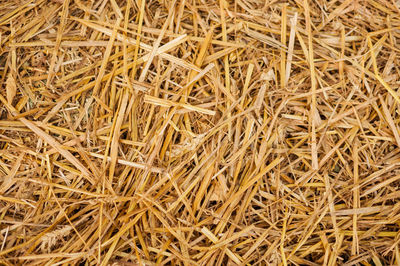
(193, 132)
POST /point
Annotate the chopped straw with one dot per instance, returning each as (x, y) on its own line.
(193, 132)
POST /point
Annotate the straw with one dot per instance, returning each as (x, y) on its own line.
(191, 132)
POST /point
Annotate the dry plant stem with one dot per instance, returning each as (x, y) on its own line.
(189, 132)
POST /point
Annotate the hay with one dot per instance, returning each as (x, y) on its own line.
(193, 132)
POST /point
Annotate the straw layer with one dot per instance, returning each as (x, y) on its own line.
(193, 132)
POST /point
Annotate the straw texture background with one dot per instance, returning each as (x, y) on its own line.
(199, 132)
